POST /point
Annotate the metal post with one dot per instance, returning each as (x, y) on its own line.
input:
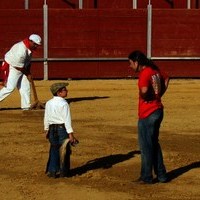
(188, 4)
(45, 31)
(80, 4)
(134, 4)
(149, 29)
(26, 4)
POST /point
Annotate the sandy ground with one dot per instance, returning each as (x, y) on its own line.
(107, 160)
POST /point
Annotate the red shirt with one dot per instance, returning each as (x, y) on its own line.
(151, 79)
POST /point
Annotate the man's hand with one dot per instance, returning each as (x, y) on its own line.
(29, 77)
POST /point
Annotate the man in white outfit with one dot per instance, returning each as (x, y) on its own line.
(16, 65)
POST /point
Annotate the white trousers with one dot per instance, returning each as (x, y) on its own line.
(17, 79)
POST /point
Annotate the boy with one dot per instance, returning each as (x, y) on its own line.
(58, 129)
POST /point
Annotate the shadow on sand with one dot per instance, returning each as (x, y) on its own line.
(70, 100)
(108, 161)
(181, 170)
(103, 162)
(17, 108)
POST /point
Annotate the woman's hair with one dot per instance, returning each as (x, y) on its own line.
(142, 59)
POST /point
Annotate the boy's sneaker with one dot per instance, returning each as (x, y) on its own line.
(51, 174)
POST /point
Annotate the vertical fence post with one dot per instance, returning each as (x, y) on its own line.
(80, 4)
(45, 31)
(134, 4)
(149, 29)
(188, 4)
(26, 4)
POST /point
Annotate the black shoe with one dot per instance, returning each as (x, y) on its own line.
(52, 175)
(63, 175)
(140, 181)
(163, 179)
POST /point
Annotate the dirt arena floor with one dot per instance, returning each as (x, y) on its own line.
(107, 159)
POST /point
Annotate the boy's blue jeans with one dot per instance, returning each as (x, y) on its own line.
(57, 134)
(151, 153)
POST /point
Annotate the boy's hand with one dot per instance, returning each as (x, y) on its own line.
(73, 140)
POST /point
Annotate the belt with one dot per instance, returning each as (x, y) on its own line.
(19, 68)
(54, 128)
(57, 126)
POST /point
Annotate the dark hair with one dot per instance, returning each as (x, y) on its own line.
(142, 59)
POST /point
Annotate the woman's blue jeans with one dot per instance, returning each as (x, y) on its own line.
(151, 153)
(57, 134)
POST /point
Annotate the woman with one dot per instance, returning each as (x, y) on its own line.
(152, 85)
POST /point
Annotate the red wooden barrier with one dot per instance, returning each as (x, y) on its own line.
(105, 33)
(176, 33)
(101, 4)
